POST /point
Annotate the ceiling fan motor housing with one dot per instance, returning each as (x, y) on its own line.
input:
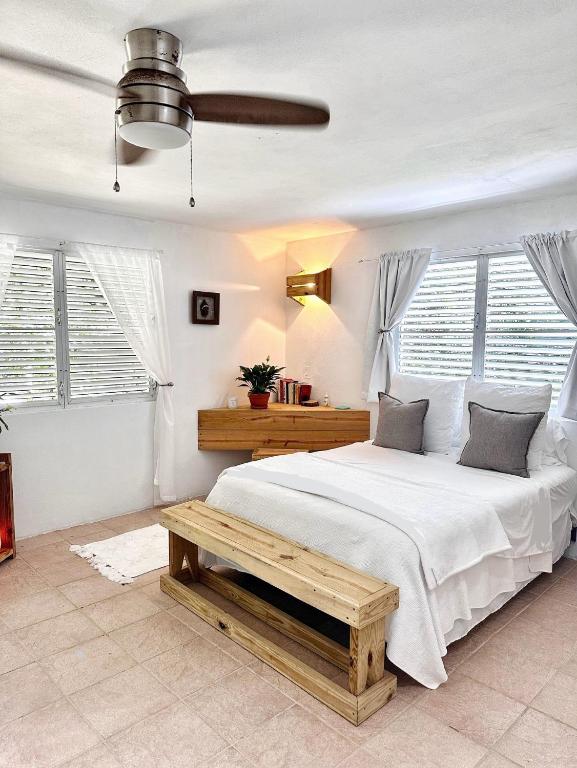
(151, 111)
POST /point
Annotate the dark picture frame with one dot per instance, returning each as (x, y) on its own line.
(205, 308)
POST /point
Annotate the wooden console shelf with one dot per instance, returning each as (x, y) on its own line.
(280, 426)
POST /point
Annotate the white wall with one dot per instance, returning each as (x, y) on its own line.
(325, 343)
(86, 463)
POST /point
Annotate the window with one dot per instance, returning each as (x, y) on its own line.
(29, 368)
(438, 329)
(60, 341)
(490, 316)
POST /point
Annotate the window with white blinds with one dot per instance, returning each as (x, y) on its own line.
(527, 338)
(436, 336)
(28, 364)
(490, 316)
(102, 362)
(60, 342)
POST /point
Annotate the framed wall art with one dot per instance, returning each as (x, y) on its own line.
(205, 309)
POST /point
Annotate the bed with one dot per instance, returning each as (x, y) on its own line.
(502, 532)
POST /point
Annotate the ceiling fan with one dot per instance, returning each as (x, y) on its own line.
(154, 108)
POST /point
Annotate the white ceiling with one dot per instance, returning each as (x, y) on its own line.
(434, 103)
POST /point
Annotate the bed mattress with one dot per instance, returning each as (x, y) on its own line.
(428, 619)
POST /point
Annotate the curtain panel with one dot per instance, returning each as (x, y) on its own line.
(399, 275)
(131, 281)
(553, 256)
(7, 248)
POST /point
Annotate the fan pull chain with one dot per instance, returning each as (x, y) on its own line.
(116, 185)
(192, 201)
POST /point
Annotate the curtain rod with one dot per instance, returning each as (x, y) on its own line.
(76, 242)
(477, 249)
(465, 250)
(107, 245)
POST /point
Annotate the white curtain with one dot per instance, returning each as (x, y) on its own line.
(399, 275)
(131, 280)
(7, 247)
(553, 256)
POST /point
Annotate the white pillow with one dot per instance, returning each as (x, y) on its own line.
(505, 397)
(445, 399)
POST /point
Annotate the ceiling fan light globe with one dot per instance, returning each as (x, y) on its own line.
(154, 135)
(154, 126)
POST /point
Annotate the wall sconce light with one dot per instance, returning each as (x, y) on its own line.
(316, 284)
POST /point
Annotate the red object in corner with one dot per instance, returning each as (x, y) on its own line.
(306, 390)
(8, 545)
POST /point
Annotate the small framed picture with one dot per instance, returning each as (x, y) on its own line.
(205, 308)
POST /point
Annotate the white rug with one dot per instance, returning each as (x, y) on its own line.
(128, 555)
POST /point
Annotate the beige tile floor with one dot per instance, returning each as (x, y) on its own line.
(97, 675)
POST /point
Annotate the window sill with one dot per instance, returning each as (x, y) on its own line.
(57, 407)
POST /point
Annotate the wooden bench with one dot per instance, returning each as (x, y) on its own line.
(360, 601)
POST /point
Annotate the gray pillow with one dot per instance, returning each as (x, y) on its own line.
(499, 440)
(401, 425)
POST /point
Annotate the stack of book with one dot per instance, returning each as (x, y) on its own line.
(293, 392)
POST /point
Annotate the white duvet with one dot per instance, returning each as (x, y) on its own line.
(353, 515)
(451, 530)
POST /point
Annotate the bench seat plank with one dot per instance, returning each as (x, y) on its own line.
(354, 597)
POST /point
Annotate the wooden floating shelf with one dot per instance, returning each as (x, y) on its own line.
(281, 426)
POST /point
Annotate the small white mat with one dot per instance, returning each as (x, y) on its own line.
(128, 555)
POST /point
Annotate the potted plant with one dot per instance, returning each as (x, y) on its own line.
(261, 381)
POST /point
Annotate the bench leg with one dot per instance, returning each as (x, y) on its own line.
(179, 550)
(366, 656)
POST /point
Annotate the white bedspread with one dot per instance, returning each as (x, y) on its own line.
(416, 631)
(451, 530)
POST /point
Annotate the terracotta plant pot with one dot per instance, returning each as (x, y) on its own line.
(259, 400)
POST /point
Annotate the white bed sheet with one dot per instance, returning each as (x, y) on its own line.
(427, 619)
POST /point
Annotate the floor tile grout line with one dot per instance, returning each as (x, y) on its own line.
(215, 682)
(86, 721)
(183, 697)
(513, 724)
(107, 739)
(104, 739)
(304, 706)
(63, 697)
(492, 635)
(549, 715)
(497, 690)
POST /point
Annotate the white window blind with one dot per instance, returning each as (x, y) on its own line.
(101, 360)
(487, 315)
(436, 336)
(527, 339)
(28, 358)
(60, 342)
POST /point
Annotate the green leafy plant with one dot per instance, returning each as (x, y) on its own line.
(4, 409)
(260, 378)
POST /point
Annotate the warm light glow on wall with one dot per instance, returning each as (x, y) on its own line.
(309, 284)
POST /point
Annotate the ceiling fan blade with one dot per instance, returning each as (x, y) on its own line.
(47, 66)
(130, 154)
(246, 109)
